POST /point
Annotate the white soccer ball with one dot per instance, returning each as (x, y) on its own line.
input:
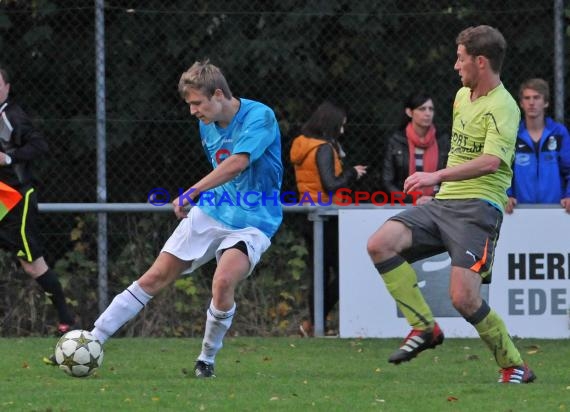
(78, 353)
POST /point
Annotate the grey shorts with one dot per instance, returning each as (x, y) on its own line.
(467, 229)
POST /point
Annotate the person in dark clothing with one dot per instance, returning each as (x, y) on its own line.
(417, 139)
(20, 145)
(317, 157)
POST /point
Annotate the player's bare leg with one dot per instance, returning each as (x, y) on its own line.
(126, 305)
(232, 268)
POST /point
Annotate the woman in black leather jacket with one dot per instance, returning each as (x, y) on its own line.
(416, 138)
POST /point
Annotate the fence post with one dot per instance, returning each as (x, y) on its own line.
(318, 274)
(101, 152)
(559, 60)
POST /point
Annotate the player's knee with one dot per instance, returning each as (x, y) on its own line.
(32, 272)
(34, 269)
(463, 302)
(222, 284)
(373, 245)
(377, 247)
(457, 301)
(154, 280)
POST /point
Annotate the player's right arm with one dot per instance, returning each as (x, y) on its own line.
(480, 166)
(226, 171)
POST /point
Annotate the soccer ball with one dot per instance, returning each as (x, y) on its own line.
(78, 353)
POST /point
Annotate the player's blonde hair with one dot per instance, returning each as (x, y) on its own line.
(203, 76)
(538, 85)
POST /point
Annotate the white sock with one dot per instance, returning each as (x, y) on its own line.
(123, 308)
(217, 324)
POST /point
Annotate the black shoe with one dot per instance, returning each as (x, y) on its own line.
(204, 370)
(416, 342)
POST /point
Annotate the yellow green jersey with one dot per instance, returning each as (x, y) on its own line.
(487, 125)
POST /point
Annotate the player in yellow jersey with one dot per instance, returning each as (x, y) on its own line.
(465, 217)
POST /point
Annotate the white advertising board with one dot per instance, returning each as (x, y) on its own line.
(530, 287)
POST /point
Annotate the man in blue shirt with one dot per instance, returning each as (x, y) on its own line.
(237, 209)
(541, 172)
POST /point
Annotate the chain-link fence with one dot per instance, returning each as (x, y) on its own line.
(366, 55)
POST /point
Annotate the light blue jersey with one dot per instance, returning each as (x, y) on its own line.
(251, 199)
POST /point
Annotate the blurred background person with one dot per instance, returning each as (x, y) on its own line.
(415, 146)
(21, 144)
(541, 173)
(319, 172)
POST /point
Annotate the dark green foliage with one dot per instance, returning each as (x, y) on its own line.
(271, 302)
(290, 54)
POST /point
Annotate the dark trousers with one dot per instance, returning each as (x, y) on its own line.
(330, 265)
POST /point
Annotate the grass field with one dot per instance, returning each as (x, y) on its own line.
(283, 374)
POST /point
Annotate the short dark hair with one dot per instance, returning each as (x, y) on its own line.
(412, 102)
(484, 41)
(325, 122)
(4, 74)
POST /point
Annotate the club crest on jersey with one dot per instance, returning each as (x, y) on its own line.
(551, 143)
(522, 159)
(222, 155)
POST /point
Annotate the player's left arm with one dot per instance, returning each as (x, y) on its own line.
(30, 142)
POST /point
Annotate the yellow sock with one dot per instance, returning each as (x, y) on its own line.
(494, 333)
(402, 283)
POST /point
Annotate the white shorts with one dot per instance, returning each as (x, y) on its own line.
(199, 238)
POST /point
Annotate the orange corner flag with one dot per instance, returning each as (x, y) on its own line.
(9, 197)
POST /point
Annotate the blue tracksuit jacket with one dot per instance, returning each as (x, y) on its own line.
(542, 175)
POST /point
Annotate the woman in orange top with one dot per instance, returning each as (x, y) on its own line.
(317, 157)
